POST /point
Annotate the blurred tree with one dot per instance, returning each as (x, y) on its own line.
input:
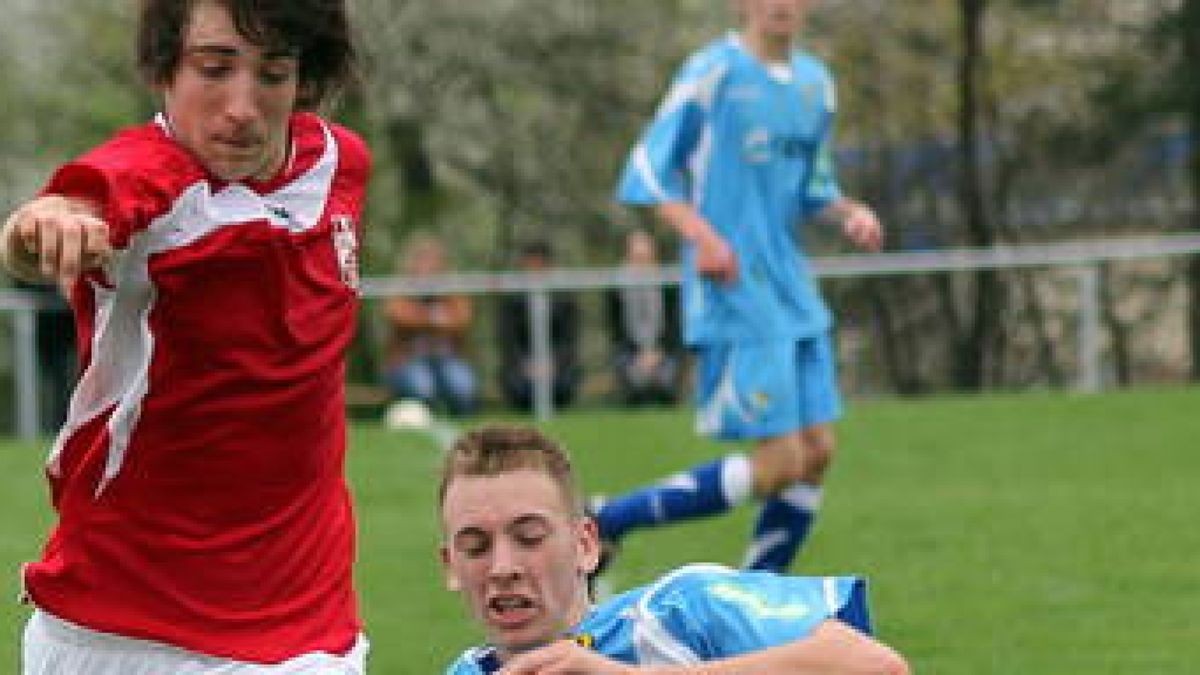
(1189, 28)
(978, 343)
(1165, 109)
(523, 109)
(72, 82)
(965, 123)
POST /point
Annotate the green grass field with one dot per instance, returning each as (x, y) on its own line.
(1035, 534)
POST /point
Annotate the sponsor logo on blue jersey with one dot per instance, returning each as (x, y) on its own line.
(756, 605)
(760, 147)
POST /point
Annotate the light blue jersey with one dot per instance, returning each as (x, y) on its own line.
(702, 613)
(749, 147)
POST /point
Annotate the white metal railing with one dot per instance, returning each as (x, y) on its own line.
(1085, 255)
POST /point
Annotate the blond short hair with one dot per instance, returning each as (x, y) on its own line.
(498, 449)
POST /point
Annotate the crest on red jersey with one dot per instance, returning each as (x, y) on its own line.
(345, 243)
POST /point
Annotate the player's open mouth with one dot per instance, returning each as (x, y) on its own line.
(507, 610)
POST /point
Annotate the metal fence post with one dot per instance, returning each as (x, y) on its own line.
(25, 378)
(1090, 329)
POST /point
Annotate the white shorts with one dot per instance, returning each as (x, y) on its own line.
(56, 647)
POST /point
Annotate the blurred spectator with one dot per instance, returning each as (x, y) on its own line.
(516, 344)
(427, 338)
(643, 322)
(57, 360)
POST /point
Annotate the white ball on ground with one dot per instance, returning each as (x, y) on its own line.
(407, 414)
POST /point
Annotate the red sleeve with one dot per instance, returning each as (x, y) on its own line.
(133, 178)
(354, 170)
(355, 158)
(84, 181)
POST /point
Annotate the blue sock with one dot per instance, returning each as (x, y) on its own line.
(783, 525)
(702, 491)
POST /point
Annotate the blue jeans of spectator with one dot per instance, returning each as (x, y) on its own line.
(436, 379)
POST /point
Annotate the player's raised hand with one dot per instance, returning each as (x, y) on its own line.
(564, 657)
(55, 238)
(861, 226)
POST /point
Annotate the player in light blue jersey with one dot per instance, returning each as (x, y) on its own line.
(736, 160)
(519, 547)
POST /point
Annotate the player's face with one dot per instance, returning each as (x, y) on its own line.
(774, 18)
(518, 555)
(229, 101)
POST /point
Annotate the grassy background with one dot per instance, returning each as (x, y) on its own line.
(1041, 533)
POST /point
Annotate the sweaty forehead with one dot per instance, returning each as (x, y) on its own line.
(492, 501)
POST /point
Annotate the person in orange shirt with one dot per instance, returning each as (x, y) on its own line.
(427, 338)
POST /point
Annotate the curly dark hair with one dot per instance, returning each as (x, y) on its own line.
(498, 449)
(319, 31)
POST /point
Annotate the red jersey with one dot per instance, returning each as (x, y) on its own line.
(199, 477)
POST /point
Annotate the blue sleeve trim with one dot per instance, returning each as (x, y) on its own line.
(856, 611)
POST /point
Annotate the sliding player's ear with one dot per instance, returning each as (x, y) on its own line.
(452, 581)
(588, 545)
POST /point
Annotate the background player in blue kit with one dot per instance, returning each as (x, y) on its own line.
(737, 157)
(517, 545)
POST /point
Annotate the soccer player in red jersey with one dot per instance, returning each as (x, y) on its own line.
(204, 522)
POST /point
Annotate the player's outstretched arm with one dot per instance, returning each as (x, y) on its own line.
(832, 649)
(54, 238)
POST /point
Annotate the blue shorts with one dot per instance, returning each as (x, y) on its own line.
(767, 389)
